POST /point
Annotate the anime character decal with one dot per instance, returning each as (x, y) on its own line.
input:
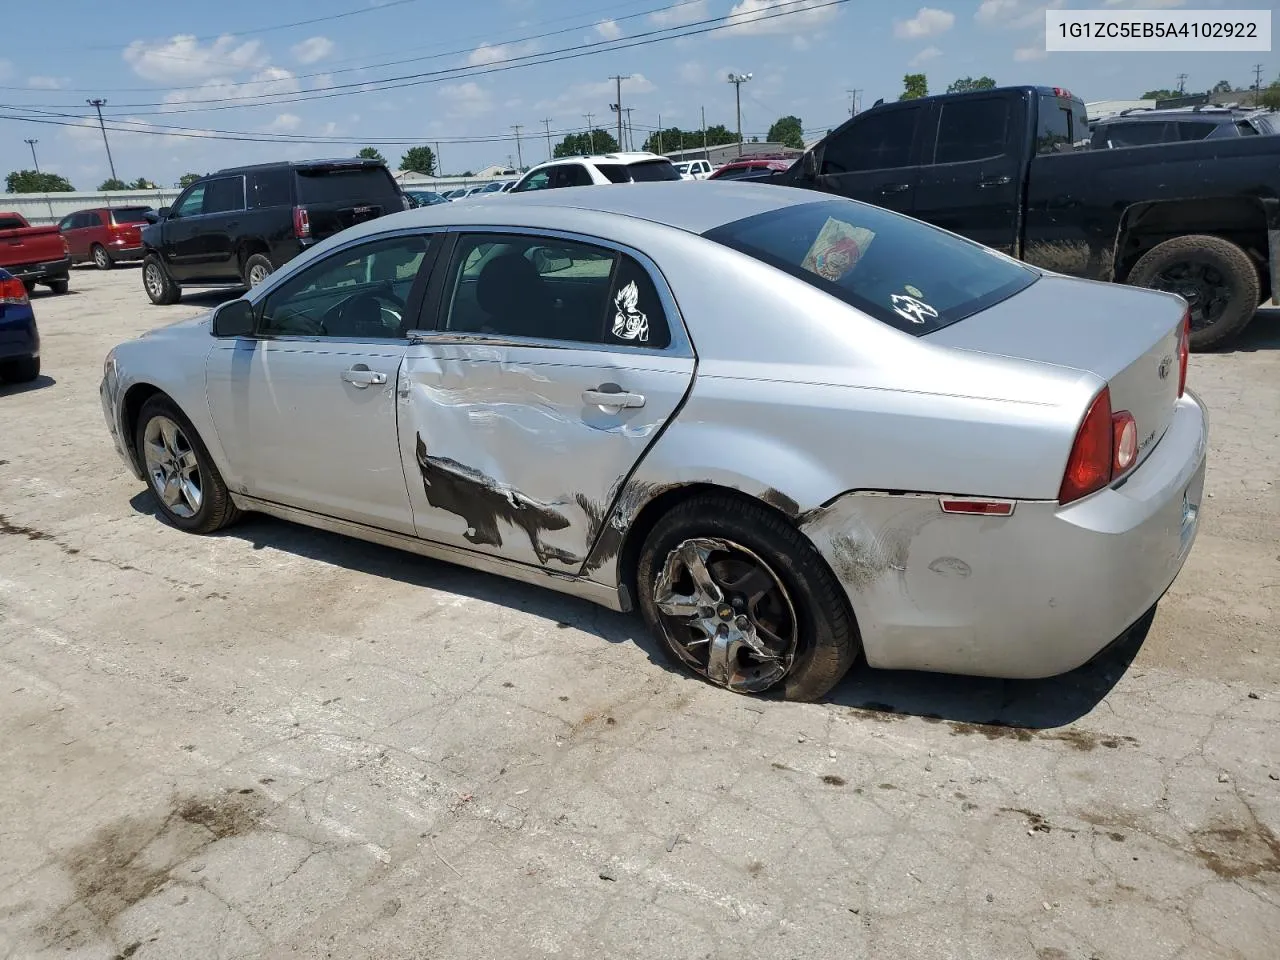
(629, 323)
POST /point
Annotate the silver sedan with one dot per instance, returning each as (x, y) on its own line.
(792, 430)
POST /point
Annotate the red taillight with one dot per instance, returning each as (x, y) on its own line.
(1184, 351)
(976, 506)
(12, 291)
(1090, 463)
(1062, 92)
(301, 222)
(1124, 433)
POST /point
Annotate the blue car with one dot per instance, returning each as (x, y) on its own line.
(19, 339)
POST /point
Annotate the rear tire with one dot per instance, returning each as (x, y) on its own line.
(159, 285)
(20, 369)
(60, 286)
(1215, 277)
(180, 474)
(772, 586)
(256, 269)
(101, 259)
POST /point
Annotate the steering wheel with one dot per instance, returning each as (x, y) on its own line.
(334, 314)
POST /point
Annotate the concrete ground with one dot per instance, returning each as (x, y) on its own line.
(281, 743)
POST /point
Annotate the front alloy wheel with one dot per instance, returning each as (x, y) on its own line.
(173, 468)
(726, 614)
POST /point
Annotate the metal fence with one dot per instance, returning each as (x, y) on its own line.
(41, 208)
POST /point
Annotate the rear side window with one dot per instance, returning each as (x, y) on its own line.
(1193, 130)
(1137, 134)
(12, 223)
(571, 175)
(271, 188)
(347, 185)
(876, 141)
(93, 219)
(614, 172)
(972, 130)
(900, 271)
(224, 195)
(1063, 126)
(130, 215)
(653, 171)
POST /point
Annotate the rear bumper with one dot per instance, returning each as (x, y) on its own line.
(1031, 595)
(44, 270)
(120, 250)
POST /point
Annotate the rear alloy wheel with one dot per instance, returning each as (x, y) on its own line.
(179, 470)
(739, 596)
(256, 269)
(1214, 276)
(101, 259)
(160, 288)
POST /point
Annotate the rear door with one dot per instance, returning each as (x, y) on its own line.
(875, 157)
(337, 196)
(553, 365)
(970, 184)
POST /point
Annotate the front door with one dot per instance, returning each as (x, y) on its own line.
(971, 184)
(553, 366)
(181, 233)
(306, 409)
(873, 157)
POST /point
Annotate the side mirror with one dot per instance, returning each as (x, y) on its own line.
(151, 217)
(164, 212)
(233, 319)
(809, 166)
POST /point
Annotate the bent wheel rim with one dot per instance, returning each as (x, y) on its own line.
(153, 280)
(726, 614)
(1202, 285)
(172, 467)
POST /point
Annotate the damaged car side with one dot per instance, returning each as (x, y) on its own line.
(790, 430)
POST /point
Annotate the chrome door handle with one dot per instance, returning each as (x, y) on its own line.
(612, 398)
(362, 377)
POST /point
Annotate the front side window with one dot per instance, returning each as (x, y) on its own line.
(93, 219)
(224, 195)
(551, 289)
(192, 204)
(360, 293)
(972, 129)
(538, 180)
(900, 271)
(66, 223)
(877, 140)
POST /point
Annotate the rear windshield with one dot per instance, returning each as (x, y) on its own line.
(346, 184)
(130, 215)
(902, 272)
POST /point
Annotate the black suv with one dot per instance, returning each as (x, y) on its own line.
(234, 227)
(1140, 127)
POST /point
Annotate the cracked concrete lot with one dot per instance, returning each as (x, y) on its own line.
(280, 743)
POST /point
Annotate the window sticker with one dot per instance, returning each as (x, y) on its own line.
(908, 307)
(628, 322)
(837, 249)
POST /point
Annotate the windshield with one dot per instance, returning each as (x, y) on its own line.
(131, 214)
(902, 272)
(346, 185)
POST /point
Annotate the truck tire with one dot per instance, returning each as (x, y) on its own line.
(29, 286)
(256, 269)
(60, 286)
(1214, 276)
(20, 369)
(158, 284)
(101, 259)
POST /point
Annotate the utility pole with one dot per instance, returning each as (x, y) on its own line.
(519, 153)
(618, 106)
(631, 140)
(32, 145)
(738, 79)
(1257, 82)
(1182, 83)
(659, 133)
(591, 134)
(439, 166)
(547, 124)
(853, 101)
(705, 156)
(98, 104)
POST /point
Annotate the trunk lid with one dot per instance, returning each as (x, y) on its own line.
(1126, 336)
(341, 195)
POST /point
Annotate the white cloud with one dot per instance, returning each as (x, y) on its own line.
(1145, 4)
(800, 15)
(467, 99)
(272, 80)
(928, 22)
(691, 72)
(924, 56)
(491, 53)
(1034, 52)
(6, 68)
(609, 29)
(1015, 14)
(312, 49)
(47, 83)
(284, 123)
(995, 11)
(183, 58)
(678, 16)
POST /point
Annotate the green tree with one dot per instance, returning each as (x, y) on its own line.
(576, 144)
(672, 138)
(1222, 86)
(419, 160)
(371, 153)
(914, 86)
(1270, 97)
(187, 179)
(1161, 95)
(965, 84)
(720, 135)
(32, 181)
(788, 131)
(142, 183)
(113, 183)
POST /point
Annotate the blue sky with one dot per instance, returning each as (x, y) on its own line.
(162, 65)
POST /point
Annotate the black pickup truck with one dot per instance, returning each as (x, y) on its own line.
(1011, 168)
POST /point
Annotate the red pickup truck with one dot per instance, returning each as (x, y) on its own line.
(34, 254)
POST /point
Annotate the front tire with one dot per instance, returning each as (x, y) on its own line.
(180, 473)
(20, 369)
(256, 269)
(738, 596)
(1214, 276)
(101, 259)
(159, 285)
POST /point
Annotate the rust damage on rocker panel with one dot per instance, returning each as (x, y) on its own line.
(482, 501)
